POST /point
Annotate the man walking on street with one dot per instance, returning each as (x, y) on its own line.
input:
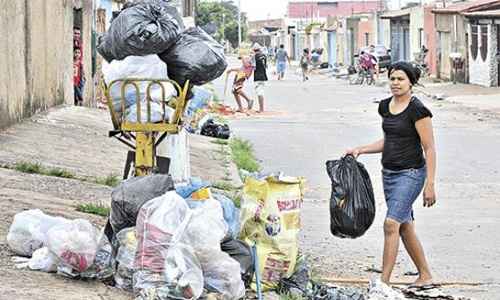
(281, 59)
(259, 62)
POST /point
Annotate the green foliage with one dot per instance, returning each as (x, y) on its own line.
(95, 209)
(219, 142)
(242, 154)
(28, 167)
(224, 16)
(110, 180)
(223, 185)
(37, 168)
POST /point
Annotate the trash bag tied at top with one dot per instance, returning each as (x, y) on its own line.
(352, 203)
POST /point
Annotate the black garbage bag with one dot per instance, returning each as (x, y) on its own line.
(352, 203)
(242, 253)
(196, 57)
(128, 198)
(216, 130)
(147, 27)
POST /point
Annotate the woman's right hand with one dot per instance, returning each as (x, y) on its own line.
(353, 151)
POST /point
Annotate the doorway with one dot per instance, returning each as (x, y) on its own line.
(332, 48)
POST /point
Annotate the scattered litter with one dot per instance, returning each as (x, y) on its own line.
(215, 129)
(352, 203)
(439, 97)
(378, 290)
(411, 273)
(374, 269)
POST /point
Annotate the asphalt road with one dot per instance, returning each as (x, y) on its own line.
(315, 121)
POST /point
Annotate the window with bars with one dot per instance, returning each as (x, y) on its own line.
(473, 41)
(484, 42)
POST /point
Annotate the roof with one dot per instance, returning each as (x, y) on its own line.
(466, 6)
(396, 13)
(484, 13)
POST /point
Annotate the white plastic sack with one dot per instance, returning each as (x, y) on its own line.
(378, 290)
(176, 147)
(222, 274)
(145, 67)
(183, 272)
(157, 114)
(127, 246)
(43, 260)
(75, 244)
(207, 227)
(28, 231)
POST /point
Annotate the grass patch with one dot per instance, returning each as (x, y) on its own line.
(28, 167)
(110, 180)
(95, 209)
(60, 173)
(37, 168)
(242, 154)
(219, 142)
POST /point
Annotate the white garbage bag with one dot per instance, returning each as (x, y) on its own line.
(176, 147)
(75, 244)
(28, 231)
(157, 114)
(144, 67)
(378, 290)
(125, 256)
(43, 260)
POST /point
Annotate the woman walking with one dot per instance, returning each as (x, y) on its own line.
(409, 164)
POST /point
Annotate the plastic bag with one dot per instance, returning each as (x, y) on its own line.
(176, 147)
(28, 231)
(128, 198)
(196, 57)
(200, 99)
(102, 267)
(158, 114)
(183, 272)
(270, 217)
(43, 260)
(222, 274)
(242, 253)
(231, 214)
(149, 27)
(147, 67)
(352, 203)
(125, 256)
(214, 129)
(160, 224)
(75, 244)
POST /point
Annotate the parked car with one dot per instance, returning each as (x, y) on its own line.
(382, 54)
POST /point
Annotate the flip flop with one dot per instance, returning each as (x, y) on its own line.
(424, 287)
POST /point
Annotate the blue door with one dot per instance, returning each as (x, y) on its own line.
(332, 48)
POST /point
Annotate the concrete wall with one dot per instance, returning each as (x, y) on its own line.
(416, 24)
(36, 57)
(484, 72)
(430, 39)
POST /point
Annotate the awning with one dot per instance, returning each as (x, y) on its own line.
(396, 14)
(484, 13)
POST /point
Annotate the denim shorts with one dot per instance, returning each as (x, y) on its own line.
(401, 189)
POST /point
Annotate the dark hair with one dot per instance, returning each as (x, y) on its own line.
(411, 71)
(282, 46)
(306, 50)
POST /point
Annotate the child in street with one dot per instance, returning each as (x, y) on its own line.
(242, 74)
(305, 61)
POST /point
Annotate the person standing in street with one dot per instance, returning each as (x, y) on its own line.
(259, 63)
(281, 60)
(409, 165)
(242, 74)
(305, 61)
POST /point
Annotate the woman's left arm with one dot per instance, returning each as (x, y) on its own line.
(425, 131)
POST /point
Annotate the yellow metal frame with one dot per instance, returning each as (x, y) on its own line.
(145, 133)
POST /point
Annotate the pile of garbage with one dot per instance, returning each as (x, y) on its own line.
(148, 40)
(167, 241)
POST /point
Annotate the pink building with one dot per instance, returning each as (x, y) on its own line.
(323, 9)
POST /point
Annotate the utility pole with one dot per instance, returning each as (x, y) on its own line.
(239, 24)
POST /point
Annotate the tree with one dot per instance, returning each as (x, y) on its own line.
(220, 19)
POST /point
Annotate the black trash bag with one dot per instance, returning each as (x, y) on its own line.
(196, 57)
(299, 284)
(352, 203)
(216, 130)
(242, 253)
(147, 27)
(128, 198)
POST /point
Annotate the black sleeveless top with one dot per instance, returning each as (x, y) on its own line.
(402, 146)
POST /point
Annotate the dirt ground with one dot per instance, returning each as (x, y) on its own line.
(75, 139)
